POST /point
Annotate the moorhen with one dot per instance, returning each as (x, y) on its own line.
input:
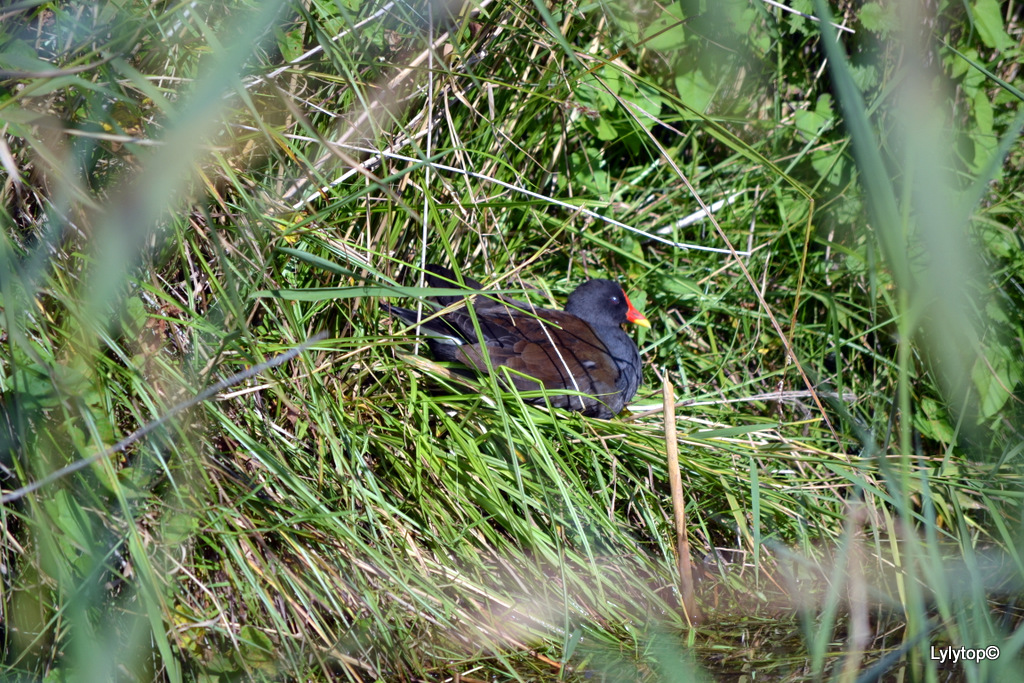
(582, 348)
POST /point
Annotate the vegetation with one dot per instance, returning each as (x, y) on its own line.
(823, 225)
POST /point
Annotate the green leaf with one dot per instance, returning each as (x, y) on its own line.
(684, 288)
(694, 90)
(983, 115)
(933, 421)
(865, 76)
(18, 55)
(995, 377)
(811, 122)
(670, 23)
(830, 164)
(590, 170)
(988, 19)
(880, 18)
(290, 44)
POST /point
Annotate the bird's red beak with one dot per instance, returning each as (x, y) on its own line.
(634, 316)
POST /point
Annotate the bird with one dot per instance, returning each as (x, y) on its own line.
(581, 349)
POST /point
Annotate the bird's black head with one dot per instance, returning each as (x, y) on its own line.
(603, 303)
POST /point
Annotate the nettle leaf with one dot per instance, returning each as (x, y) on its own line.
(880, 18)
(799, 23)
(864, 76)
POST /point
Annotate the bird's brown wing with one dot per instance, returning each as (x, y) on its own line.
(557, 349)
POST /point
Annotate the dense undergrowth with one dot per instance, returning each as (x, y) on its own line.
(823, 225)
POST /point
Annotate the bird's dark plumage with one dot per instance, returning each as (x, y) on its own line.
(582, 348)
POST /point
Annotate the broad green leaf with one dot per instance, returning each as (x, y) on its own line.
(694, 90)
(880, 18)
(988, 19)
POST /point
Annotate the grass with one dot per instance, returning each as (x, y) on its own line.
(191, 191)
